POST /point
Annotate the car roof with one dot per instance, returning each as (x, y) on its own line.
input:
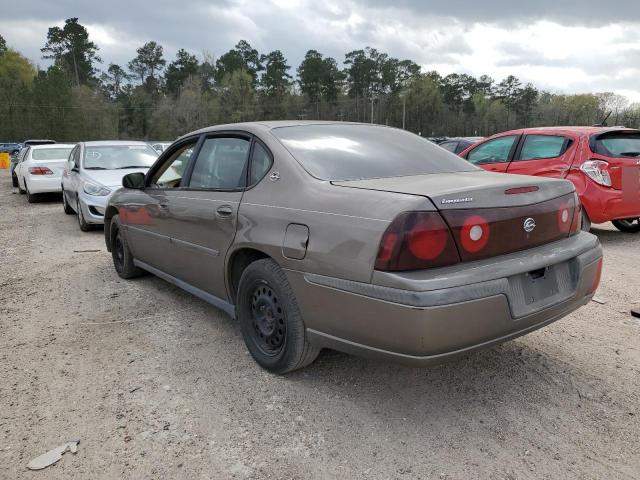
(51, 145)
(271, 124)
(568, 129)
(106, 143)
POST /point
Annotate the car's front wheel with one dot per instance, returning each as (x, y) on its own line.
(270, 320)
(84, 226)
(629, 225)
(65, 205)
(14, 179)
(122, 258)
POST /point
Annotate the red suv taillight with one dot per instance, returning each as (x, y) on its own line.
(416, 240)
(598, 171)
(40, 171)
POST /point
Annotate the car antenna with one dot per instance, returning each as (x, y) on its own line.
(604, 120)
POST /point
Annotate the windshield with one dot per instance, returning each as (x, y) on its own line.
(619, 144)
(50, 153)
(356, 152)
(113, 157)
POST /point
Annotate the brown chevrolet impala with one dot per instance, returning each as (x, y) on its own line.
(360, 238)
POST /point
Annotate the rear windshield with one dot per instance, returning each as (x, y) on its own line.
(618, 144)
(114, 157)
(355, 152)
(51, 153)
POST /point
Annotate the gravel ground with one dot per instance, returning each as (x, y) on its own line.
(158, 384)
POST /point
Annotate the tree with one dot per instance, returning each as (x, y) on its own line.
(70, 49)
(183, 67)
(238, 96)
(3, 45)
(147, 62)
(275, 80)
(508, 90)
(525, 103)
(16, 80)
(319, 77)
(113, 80)
(243, 57)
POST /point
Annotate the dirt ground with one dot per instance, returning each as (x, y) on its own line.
(158, 384)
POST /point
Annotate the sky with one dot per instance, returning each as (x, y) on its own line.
(562, 46)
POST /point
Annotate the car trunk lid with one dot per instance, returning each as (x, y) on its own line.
(491, 214)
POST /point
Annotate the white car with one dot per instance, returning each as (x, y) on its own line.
(95, 170)
(40, 168)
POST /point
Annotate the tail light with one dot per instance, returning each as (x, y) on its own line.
(40, 171)
(598, 171)
(416, 240)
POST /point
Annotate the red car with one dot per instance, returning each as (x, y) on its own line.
(602, 162)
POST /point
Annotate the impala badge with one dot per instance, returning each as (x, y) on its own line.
(274, 177)
(529, 225)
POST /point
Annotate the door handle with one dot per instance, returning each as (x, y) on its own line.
(224, 211)
(163, 206)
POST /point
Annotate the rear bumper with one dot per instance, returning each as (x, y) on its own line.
(428, 326)
(604, 204)
(44, 183)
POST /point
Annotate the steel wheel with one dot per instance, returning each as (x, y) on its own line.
(267, 317)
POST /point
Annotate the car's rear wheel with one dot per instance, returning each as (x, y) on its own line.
(65, 205)
(84, 226)
(122, 258)
(270, 320)
(629, 225)
(31, 198)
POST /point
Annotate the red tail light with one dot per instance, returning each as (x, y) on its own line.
(416, 240)
(40, 171)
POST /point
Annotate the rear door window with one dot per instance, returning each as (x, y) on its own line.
(497, 150)
(221, 164)
(543, 146)
(260, 163)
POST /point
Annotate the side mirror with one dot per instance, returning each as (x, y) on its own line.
(75, 168)
(133, 180)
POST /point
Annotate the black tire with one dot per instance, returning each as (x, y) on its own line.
(20, 189)
(84, 226)
(31, 197)
(270, 320)
(14, 179)
(586, 222)
(629, 225)
(65, 205)
(120, 252)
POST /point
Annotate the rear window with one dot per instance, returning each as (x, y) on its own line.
(51, 153)
(356, 152)
(618, 144)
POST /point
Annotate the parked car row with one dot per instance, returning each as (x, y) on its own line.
(361, 238)
(86, 173)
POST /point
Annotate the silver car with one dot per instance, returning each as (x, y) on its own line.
(360, 238)
(94, 171)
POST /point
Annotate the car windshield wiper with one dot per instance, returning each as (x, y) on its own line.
(630, 154)
(95, 168)
(132, 166)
